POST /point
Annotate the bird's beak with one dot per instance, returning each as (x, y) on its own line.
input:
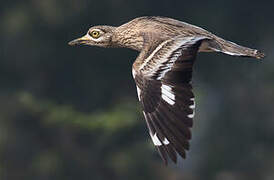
(81, 40)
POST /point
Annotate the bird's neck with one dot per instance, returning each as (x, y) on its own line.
(128, 39)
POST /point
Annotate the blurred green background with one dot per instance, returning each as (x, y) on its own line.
(71, 113)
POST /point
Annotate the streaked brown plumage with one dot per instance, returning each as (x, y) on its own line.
(163, 72)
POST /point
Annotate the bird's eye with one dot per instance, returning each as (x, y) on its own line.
(95, 34)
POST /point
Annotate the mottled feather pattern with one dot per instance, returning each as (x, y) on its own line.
(163, 73)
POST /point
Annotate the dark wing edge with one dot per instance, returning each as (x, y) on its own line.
(167, 99)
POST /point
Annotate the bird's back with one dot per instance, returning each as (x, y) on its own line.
(163, 28)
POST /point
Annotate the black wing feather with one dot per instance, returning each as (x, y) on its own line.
(167, 98)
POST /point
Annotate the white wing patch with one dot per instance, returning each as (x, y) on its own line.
(167, 94)
(166, 142)
(138, 93)
(192, 107)
(169, 101)
(191, 115)
(133, 73)
(156, 140)
(138, 89)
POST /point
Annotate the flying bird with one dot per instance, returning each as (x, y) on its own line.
(163, 72)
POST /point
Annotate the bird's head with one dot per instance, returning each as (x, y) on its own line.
(96, 36)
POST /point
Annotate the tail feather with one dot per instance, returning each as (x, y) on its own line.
(220, 45)
(234, 49)
(237, 50)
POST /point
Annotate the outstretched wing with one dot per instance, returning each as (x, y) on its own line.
(164, 90)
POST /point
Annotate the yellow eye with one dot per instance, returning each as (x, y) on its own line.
(95, 34)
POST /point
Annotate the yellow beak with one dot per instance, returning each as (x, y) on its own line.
(81, 40)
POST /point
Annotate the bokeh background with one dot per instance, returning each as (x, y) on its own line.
(71, 113)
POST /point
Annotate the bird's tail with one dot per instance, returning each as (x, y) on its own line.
(230, 48)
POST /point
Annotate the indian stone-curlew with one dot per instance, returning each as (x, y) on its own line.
(163, 72)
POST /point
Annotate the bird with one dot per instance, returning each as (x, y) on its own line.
(163, 72)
